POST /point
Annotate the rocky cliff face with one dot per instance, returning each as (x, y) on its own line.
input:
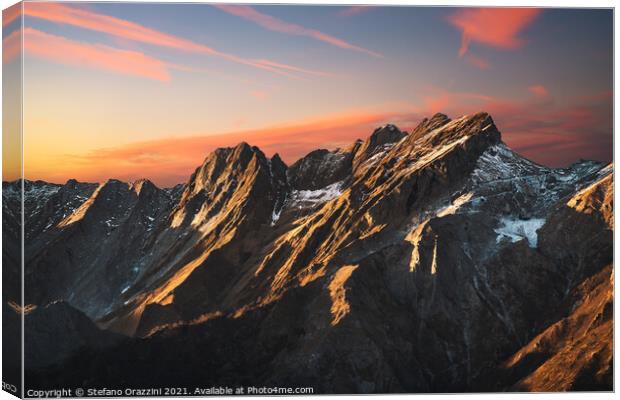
(426, 261)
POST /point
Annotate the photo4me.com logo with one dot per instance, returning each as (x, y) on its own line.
(9, 387)
(264, 390)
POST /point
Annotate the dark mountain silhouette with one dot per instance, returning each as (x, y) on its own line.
(432, 261)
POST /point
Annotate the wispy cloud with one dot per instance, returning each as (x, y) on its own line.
(259, 94)
(86, 19)
(538, 90)
(249, 80)
(269, 63)
(353, 10)
(277, 25)
(11, 46)
(477, 62)
(11, 42)
(494, 27)
(11, 14)
(445, 101)
(95, 56)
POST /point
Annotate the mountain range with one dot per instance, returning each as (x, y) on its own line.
(436, 260)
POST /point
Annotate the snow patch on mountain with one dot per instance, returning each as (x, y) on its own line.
(317, 196)
(499, 163)
(380, 152)
(275, 216)
(277, 211)
(40, 192)
(517, 229)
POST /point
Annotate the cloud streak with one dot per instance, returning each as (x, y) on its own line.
(63, 14)
(495, 27)
(277, 25)
(259, 95)
(11, 14)
(284, 67)
(95, 56)
(477, 62)
(11, 46)
(539, 91)
(354, 10)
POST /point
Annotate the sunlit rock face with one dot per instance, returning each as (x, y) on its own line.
(437, 260)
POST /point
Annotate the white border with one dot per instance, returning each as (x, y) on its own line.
(500, 3)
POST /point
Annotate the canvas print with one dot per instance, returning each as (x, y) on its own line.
(244, 199)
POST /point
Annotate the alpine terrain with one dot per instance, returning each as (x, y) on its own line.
(436, 260)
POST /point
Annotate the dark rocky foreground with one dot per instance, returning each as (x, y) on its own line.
(431, 261)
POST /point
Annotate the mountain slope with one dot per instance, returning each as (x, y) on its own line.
(574, 350)
(408, 262)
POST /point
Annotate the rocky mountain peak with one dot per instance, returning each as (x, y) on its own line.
(320, 168)
(243, 152)
(276, 160)
(109, 200)
(438, 119)
(227, 162)
(112, 182)
(112, 189)
(383, 135)
(278, 168)
(144, 185)
(71, 183)
(426, 125)
(381, 138)
(466, 126)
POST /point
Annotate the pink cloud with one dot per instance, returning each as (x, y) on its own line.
(259, 94)
(354, 10)
(455, 103)
(477, 62)
(11, 46)
(95, 56)
(539, 90)
(284, 67)
(11, 14)
(64, 14)
(438, 103)
(494, 27)
(277, 25)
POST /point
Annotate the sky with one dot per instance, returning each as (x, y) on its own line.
(129, 91)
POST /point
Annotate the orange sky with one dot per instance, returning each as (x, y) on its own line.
(534, 127)
(126, 91)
